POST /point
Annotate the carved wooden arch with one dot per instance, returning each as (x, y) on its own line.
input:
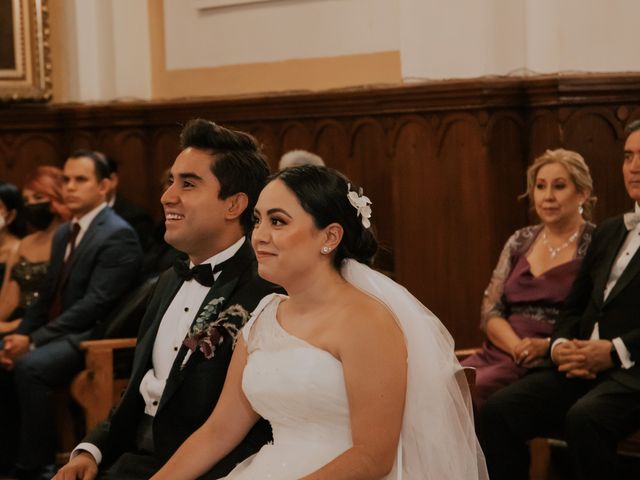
(605, 113)
(22, 140)
(290, 125)
(499, 116)
(449, 121)
(401, 123)
(364, 122)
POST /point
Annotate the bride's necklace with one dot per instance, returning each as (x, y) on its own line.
(553, 251)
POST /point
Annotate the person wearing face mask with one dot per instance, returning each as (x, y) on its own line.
(44, 211)
(11, 224)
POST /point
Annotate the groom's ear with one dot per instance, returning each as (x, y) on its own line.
(332, 235)
(235, 205)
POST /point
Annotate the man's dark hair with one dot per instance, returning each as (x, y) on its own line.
(113, 165)
(631, 127)
(100, 164)
(238, 162)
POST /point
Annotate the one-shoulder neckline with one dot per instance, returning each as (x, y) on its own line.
(302, 341)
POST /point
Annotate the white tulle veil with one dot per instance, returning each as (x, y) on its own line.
(438, 440)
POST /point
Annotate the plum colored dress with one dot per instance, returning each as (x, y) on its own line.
(530, 304)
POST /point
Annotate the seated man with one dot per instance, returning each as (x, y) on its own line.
(94, 260)
(592, 396)
(187, 334)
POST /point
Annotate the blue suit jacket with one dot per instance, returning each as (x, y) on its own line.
(105, 264)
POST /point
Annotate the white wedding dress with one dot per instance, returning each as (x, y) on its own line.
(300, 389)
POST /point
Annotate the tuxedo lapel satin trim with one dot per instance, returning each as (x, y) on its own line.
(223, 287)
(629, 273)
(617, 239)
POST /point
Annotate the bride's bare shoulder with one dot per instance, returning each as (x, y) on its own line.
(364, 312)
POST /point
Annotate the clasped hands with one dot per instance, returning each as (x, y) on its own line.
(530, 351)
(582, 358)
(15, 346)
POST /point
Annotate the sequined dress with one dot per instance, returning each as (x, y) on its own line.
(31, 277)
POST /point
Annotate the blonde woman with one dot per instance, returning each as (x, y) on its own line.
(535, 272)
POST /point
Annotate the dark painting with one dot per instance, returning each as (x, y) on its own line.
(7, 52)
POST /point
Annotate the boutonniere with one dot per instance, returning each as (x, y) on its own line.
(207, 330)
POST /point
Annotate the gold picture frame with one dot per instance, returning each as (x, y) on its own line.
(25, 65)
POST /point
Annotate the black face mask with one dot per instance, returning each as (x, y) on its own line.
(39, 215)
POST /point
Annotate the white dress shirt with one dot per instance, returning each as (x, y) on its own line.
(173, 329)
(626, 253)
(84, 222)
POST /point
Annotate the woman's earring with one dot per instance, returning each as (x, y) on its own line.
(580, 209)
(325, 250)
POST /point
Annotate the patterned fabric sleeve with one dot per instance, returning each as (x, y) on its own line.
(584, 240)
(493, 301)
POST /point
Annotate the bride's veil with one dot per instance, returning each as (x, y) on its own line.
(438, 440)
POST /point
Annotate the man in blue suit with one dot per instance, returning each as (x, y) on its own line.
(94, 261)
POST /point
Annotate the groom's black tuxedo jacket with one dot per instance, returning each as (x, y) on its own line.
(619, 314)
(191, 392)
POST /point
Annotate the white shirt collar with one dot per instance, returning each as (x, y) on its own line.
(226, 254)
(87, 218)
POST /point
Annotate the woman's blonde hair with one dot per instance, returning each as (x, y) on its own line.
(578, 173)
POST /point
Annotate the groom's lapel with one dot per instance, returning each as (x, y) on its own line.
(223, 287)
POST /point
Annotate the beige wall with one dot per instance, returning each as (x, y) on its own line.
(155, 49)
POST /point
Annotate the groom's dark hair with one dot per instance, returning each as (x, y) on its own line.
(237, 161)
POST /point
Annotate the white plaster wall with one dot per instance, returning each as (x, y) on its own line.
(597, 35)
(108, 40)
(471, 38)
(131, 44)
(108, 49)
(279, 30)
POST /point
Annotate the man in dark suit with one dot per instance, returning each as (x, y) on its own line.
(94, 260)
(592, 396)
(177, 377)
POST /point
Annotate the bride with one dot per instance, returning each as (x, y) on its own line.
(357, 378)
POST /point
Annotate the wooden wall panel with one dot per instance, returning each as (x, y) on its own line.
(443, 162)
(370, 155)
(598, 136)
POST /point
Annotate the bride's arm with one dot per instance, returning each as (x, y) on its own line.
(231, 420)
(374, 359)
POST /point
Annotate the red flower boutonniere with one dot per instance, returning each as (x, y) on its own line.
(207, 330)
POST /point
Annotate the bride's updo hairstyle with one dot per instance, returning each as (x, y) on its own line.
(322, 193)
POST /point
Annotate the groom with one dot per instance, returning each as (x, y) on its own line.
(186, 336)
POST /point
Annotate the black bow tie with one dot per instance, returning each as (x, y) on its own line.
(203, 273)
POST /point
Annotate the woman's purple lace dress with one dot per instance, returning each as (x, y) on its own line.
(530, 304)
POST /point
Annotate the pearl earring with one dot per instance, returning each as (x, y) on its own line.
(581, 209)
(325, 250)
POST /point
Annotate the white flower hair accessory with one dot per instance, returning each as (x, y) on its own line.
(362, 205)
